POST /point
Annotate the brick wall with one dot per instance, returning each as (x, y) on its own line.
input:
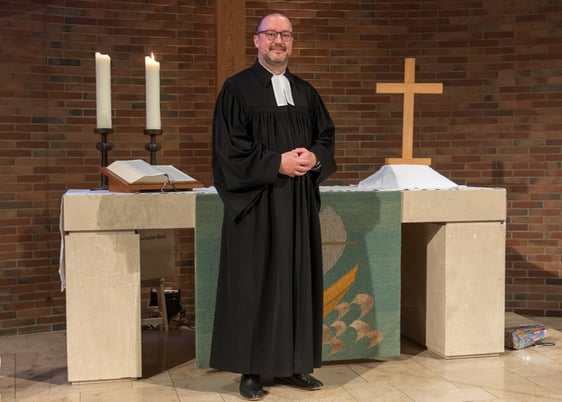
(497, 123)
(48, 116)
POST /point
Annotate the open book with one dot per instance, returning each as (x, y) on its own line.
(138, 175)
(138, 171)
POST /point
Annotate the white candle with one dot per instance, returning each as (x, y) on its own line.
(152, 68)
(103, 90)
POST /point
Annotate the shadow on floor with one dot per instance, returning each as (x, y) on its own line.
(163, 350)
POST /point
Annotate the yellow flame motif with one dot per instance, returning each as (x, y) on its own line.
(338, 289)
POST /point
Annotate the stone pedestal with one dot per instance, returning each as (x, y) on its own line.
(102, 273)
(453, 270)
(103, 306)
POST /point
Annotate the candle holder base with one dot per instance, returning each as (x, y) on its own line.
(152, 146)
(104, 147)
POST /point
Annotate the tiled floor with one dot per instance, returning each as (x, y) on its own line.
(33, 368)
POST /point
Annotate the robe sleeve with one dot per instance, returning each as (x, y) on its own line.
(323, 145)
(241, 166)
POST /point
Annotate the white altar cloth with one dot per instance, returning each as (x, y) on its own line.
(407, 177)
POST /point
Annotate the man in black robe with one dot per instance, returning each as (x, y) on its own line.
(273, 143)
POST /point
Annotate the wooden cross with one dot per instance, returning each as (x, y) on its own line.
(408, 88)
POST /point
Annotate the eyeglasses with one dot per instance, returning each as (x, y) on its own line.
(286, 36)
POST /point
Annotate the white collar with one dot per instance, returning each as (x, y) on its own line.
(281, 88)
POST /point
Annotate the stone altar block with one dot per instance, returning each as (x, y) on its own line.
(453, 270)
(100, 329)
(102, 275)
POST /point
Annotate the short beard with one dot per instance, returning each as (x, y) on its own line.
(282, 62)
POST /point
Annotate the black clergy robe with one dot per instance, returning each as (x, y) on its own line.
(268, 317)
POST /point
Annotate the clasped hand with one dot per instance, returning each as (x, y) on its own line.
(297, 162)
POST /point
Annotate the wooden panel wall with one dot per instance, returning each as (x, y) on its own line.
(231, 37)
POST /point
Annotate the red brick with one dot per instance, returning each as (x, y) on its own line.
(496, 124)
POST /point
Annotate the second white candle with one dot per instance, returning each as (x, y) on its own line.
(152, 68)
(103, 90)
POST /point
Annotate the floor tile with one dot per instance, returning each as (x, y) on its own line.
(33, 369)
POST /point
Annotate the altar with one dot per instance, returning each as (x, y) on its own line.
(448, 269)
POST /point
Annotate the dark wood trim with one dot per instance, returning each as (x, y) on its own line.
(231, 38)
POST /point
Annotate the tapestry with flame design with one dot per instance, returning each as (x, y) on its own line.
(361, 241)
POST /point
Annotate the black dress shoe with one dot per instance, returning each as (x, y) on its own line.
(302, 381)
(250, 387)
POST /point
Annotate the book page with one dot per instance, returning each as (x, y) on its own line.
(175, 175)
(137, 171)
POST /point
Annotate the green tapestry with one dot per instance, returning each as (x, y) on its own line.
(361, 235)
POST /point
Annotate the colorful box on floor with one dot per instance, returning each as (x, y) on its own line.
(524, 336)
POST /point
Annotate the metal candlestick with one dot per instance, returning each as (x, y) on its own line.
(152, 146)
(104, 147)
